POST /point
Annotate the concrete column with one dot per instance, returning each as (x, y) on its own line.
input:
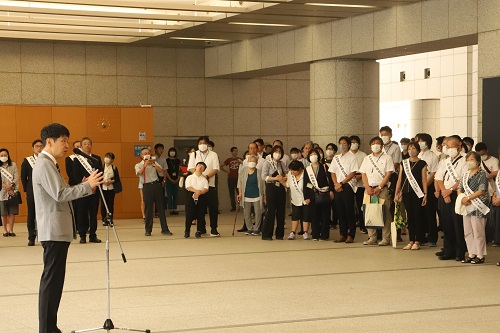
(344, 100)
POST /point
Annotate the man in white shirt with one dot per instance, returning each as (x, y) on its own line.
(196, 204)
(343, 171)
(376, 170)
(448, 177)
(211, 159)
(360, 192)
(489, 164)
(260, 147)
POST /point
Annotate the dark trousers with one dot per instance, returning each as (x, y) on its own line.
(153, 195)
(359, 204)
(195, 211)
(334, 214)
(320, 221)
(415, 216)
(213, 209)
(276, 199)
(30, 223)
(172, 195)
(232, 186)
(87, 215)
(51, 284)
(430, 209)
(495, 215)
(109, 196)
(344, 202)
(453, 228)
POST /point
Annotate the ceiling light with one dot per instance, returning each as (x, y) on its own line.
(338, 5)
(202, 39)
(263, 24)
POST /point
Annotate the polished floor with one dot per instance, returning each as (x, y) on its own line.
(244, 284)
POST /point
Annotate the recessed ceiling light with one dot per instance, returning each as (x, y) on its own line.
(338, 5)
(263, 24)
(202, 39)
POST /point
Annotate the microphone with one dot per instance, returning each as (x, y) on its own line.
(81, 153)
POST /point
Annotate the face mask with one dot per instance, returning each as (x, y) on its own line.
(413, 153)
(210, 148)
(376, 148)
(484, 157)
(343, 148)
(452, 152)
(202, 147)
(252, 165)
(471, 164)
(4, 159)
(354, 146)
(386, 139)
(404, 147)
(329, 153)
(422, 145)
(444, 150)
(171, 154)
(293, 156)
(107, 160)
(276, 156)
(313, 158)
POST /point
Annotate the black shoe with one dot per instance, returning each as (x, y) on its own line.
(197, 234)
(31, 242)
(175, 212)
(439, 253)
(147, 234)
(243, 229)
(214, 233)
(83, 240)
(445, 257)
(186, 234)
(167, 233)
(279, 238)
(95, 240)
(267, 238)
(459, 259)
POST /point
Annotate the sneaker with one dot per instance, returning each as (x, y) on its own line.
(408, 247)
(186, 234)
(145, 234)
(292, 236)
(315, 239)
(305, 235)
(214, 233)
(383, 242)
(370, 242)
(248, 232)
(415, 246)
(432, 244)
(167, 233)
(256, 233)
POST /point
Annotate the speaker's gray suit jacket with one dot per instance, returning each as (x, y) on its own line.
(53, 197)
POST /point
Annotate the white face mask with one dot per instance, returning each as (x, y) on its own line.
(4, 159)
(202, 147)
(276, 156)
(404, 147)
(422, 145)
(413, 153)
(386, 139)
(294, 156)
(484, 157)
(471, 164)
(354, 146)
(376, 148)
(329, 153)
(107, 160)
(172, 154)
(343, 148)
(252, 165)
(313, 158)
(444, 150)
(452, 152)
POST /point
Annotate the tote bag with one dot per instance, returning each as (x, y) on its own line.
(374, 213)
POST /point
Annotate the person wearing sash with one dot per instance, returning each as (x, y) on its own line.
(318, 188)
(448, 176)
(26, 172)
(69, 166)
(251, 192)
(274, 174)
(330, 152)
(111, 177)
(87, 206)
(376, 170)
(412, 187)
(360, 192)
(172, 175)
(196, 203)
(430, 227)
(474, 184)
(10, 185)
(343, 171)
(301, 209)
(489, 164)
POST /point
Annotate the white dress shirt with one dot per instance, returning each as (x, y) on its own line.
(210, 158)
(385, 164)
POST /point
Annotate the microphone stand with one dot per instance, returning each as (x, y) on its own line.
(108, 323)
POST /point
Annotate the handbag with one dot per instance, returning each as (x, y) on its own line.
(399, 218)
(15, 199)
(374, 213)
(117, 186)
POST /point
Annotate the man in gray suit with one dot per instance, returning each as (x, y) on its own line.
(55, 220)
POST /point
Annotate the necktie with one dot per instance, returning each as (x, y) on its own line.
(58, 169)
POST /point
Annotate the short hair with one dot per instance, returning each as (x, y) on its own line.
(426, 138)
(77, 141)
(275, 148)
(281, 142)
(356, 138)
(145, 148)
(35, 142)
(480, 146)
(259, 140)
(309, 143)
(333, 145)
(53, 131)
(294, 150)
(468, 139)
(314, 150)
(456, 138)
(385, 129)
(86, 138)
(346, 138)
(376, 138)
(296, 165)
(159, 145)
(211, 143)
(415, 145)
(439, 140)
(203, 138)
(111, 155)
(252, 143)
(174, 150)
(9, 161)
(252, 157)
(475, 155)
(204, 165)
(405, 140)
(233, 148)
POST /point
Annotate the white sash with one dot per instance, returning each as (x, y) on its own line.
(72, 156)
(497, 182)
(351, 182)
(296, 184)
(314, 181)
(375, 166)
(84, 163)
(411, 179)
(476, 202)
(7, 174)
(31, 160)
(451, 169)
(275, 166)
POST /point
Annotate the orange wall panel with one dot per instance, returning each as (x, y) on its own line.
(8, 120)
(74, 118)
(104, 124)
(135, 120)
(30, 120)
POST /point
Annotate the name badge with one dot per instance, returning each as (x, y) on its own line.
(309, 185)
(277, 184)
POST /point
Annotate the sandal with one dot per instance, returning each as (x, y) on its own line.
(468, 260)
(477, 260)
(12, 234)
(6, 234)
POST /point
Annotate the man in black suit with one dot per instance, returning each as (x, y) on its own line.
(55, 220)
(88, 206)
(26, 172)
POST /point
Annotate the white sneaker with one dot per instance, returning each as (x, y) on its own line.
(292, 236)
(383, 242)
(306, 236)
(370, 242)
(408, 247)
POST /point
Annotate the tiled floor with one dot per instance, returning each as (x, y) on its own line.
(244, 284)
